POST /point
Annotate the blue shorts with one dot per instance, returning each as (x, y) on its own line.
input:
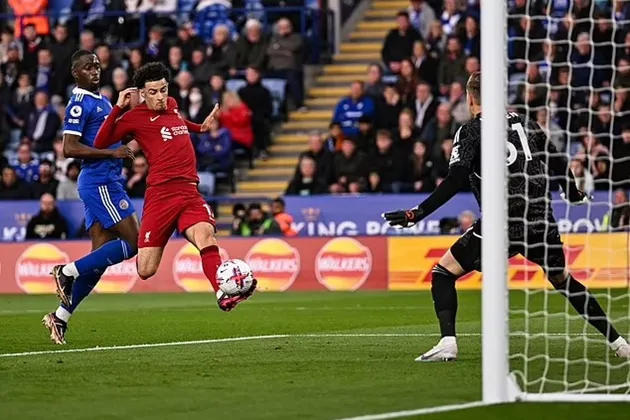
(107, 204)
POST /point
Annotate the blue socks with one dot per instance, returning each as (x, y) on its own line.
(97, 261)
(82, 287)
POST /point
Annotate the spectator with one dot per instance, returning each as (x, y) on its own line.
(322, 157)
(407, 82)
(622, 78)
(366, 139)
(157, 47)
(108, 64)
(441, 127)
(43, 123)
(120, 81)
(472, 66)
(46, 183)
(222, 50)
(258, 99)
(32, 43)
(176, 63)
(60, 162)
(198, 109)
(200, 67)
(350, 170)
(601, 172)
(7, 40)
(399, 42)
(236, 118)
(214, 150)
(451, 66)
(285, 52)
(407, 133)
(425, 105)
(466, 220)
(30, 14)
(187, 41)
(284, 219)
(26, 166)
(11, 66)
(386, 172)
(470, 39)
(424, 65)
(257, 223)
(419, 171)
(181, 89)
(44, 74)
(251, 49)
(216, 90)
(239, 212)
(388, 108)
(619, 217)
(374, 86)
(62, 47)
(421, 15)
(306, 181)
(583, 178)
(351, 108)
(450, 17)
(589, 150)
(136, 60)
(48, 223)
(551, 129)
(457, 101)
(526, 46)
(68, 188)
(137, 183)
(87, 41)
(621, 156)
(333, 140)
(440, 162)
(436, 42)
(12, 188)
(22, 101)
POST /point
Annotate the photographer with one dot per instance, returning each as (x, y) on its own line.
(256, 223)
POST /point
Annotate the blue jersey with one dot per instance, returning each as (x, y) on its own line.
(85, 113)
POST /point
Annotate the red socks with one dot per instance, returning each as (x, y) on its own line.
(211, 260)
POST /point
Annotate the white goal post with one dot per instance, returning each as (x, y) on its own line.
(531, 361)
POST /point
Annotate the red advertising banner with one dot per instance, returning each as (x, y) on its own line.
(337, 264)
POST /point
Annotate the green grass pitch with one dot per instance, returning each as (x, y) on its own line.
(340, 355)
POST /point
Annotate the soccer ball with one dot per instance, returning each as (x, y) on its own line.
(234, 277)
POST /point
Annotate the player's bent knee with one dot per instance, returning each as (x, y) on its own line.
(145, 272)
(558, 278)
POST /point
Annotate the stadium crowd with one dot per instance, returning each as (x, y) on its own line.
(35, 84)
(569, 69)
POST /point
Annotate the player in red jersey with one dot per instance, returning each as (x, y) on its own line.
(172, 200)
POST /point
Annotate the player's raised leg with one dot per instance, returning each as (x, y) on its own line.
(197, 224)
(110, 206)
(547, 251)
(57, 322)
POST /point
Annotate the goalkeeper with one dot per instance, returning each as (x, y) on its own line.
(532, 229)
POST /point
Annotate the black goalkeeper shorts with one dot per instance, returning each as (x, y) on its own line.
(540, 246)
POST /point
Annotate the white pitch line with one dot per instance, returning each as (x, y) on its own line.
(247, 338)
(418, 412)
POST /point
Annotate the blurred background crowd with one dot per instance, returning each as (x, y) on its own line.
(569, 69)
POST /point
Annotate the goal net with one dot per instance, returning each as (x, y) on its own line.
(568, 68)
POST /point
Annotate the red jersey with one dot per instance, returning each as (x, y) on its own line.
(163, 136)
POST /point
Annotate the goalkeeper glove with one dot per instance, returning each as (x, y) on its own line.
(576, 196)
(403, 218)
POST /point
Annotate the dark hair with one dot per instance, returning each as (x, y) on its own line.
(150, 72)
(78, 55)
(403, 13)
(254, 206)
(473, 87)
(279, 200)
(46, 162)
(334, 124)
(384, 133)
(73, 164)
(238, 207)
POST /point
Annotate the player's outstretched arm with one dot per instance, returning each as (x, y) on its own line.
(73, 148)
(457, 177)
(114, 129)
(202, 128)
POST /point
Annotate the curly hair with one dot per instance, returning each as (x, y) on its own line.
(150, 72)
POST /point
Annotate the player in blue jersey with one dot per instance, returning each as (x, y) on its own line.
(109, 214)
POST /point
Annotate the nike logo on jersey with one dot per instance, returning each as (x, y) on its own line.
(154, 118)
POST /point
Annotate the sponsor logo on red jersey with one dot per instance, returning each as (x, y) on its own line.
(33, 267)
(343, 264)
(275, 264)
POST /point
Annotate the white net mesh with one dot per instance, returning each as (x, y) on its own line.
(569, 70)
